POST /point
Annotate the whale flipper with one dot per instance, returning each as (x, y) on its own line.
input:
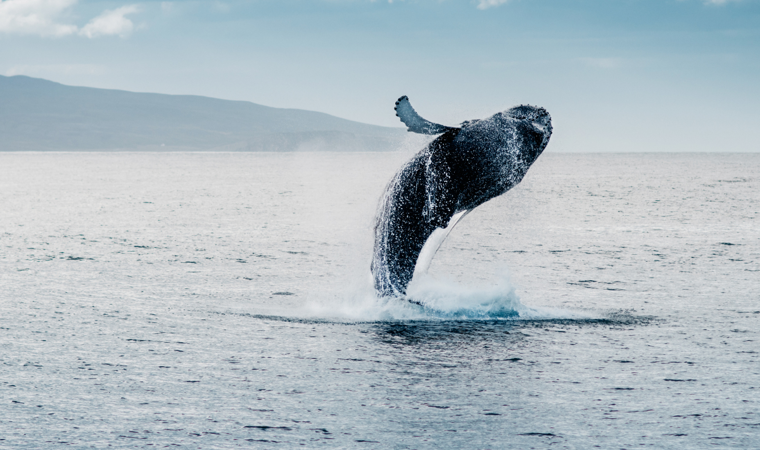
(414, 122)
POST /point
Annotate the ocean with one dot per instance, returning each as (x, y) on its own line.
(223, 300)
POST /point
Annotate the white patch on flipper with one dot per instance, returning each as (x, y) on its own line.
(434, 242)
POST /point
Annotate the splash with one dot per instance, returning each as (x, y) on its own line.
(435, 299)
(446, 299)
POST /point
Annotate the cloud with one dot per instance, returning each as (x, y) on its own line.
(47, 18)
(111, 22)
(38, 17)
(485, 4)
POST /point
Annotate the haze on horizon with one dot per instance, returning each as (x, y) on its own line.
(616, 76)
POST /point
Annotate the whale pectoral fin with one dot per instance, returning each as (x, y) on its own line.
(414, 122)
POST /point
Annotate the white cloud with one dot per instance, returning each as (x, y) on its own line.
(38, 17)
(111, 23)
(47, 18)
(485, 4)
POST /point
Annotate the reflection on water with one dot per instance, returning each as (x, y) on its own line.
(455, 332)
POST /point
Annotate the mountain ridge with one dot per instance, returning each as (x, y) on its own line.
(42, 115)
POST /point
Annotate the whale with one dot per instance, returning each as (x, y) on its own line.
(462, 168)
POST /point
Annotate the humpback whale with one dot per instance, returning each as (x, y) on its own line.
(462, 168)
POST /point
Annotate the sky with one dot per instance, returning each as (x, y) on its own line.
(622, 76)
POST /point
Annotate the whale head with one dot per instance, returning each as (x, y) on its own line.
(537, 116)
(532, 123)
(537, 123)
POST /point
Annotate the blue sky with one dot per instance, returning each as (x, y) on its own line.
(635, 75)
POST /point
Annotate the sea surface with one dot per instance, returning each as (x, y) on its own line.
(223, 300)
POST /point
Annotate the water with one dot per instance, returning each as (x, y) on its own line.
(224, 300)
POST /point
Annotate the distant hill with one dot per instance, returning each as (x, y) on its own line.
(41, 115)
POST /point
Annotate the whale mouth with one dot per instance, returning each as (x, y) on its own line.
(539, 126)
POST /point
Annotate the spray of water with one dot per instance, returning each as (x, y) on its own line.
(434, 299)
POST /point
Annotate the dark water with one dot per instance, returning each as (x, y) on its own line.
(220, 301)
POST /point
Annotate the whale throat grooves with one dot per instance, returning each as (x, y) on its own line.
(459, 170)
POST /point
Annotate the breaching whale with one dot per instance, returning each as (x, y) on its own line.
(462, 168)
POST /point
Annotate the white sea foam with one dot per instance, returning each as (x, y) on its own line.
(433, 298)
